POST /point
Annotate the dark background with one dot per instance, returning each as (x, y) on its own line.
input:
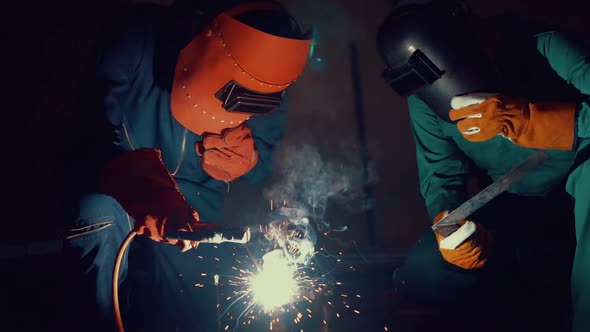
(48, 46)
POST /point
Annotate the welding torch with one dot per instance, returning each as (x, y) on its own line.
(209, 235)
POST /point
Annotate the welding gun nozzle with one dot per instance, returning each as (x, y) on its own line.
(233, 235)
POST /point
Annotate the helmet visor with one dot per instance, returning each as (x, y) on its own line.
(417, 72)
(238, 99)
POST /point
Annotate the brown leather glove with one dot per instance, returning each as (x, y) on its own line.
(547, 125)
(230, 155)
(468, 247)
(140, 182)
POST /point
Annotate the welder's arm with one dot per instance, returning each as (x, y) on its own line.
(95, 131)
(442, 167)
(140, 182)
(543, 124)
(267, 131)
(571, 61)
(119, 57)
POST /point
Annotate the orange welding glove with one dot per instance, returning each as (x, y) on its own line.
(468, 247)
(546, 125)
(230, 155)
(140, 182)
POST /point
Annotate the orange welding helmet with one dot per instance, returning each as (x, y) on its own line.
(232, 71)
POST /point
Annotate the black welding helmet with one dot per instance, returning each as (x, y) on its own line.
(432, 51)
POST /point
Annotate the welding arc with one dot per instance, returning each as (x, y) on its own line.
(120, 254)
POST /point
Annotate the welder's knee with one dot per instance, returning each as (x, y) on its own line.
(95, 213)
(98, 205)
(577, 186)
(426, 278)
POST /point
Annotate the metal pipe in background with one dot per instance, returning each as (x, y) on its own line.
(362, 137)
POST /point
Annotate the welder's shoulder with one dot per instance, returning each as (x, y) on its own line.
(560, 42)
(542, 33)
(519, 25)
(567, 52)
(123, 40)
(418, 110)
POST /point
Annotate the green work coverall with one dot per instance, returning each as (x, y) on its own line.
(531, 223)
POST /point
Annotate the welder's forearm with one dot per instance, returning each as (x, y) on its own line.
(442, 181)
(442, 167)
(444, 195)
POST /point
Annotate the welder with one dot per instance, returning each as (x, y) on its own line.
(195, 99)
(484, 94)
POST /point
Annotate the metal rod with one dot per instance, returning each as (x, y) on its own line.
(449, 224)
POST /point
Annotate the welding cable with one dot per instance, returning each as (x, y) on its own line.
(124, 246)
(120, 254)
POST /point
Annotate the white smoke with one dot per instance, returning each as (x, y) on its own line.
(304, 185)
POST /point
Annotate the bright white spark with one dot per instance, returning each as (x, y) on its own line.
(275, 284)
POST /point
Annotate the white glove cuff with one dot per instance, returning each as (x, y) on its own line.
(470, 99)
(459, 236)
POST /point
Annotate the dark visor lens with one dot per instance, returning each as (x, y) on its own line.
(236, 98)
(416, 73)
(403, 83)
